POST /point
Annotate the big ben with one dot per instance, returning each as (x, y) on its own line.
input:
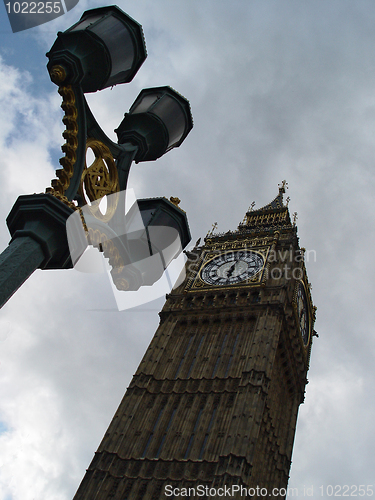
(213, 405)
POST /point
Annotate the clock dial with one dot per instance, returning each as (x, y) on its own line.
(232, 267)
(303, 313)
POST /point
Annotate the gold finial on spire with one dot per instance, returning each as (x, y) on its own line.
(175, 200)
(295, 217)
(283, 186)
(250, 209)
(210, 232)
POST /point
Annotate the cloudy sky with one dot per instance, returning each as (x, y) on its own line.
(279, 89)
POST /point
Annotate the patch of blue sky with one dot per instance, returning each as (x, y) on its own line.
(3, 427)
(25, 51)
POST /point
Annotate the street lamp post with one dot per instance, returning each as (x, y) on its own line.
(106, 47)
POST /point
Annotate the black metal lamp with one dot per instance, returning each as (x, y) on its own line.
(106, 47)
(159, 120)
(162, 237)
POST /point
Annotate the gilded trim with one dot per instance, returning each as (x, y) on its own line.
(196, 283)
(70, 135)
(100, 179)
(310, 309)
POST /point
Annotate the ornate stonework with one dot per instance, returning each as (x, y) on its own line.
(215, 399)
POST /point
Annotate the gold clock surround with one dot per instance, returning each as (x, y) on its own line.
(198, 283)
(310, 309)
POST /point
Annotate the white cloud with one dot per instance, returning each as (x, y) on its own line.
(278, 90)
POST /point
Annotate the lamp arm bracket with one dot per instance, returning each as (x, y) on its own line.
(81, 125)
(123, 153)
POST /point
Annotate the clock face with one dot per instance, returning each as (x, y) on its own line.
(303, 313)
(232, 267)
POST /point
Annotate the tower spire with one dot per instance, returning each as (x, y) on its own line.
(273, 214)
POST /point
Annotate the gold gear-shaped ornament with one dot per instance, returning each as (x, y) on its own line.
(100, 179)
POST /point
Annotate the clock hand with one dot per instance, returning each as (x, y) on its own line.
(231, 269)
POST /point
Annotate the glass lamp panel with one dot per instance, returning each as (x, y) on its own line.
(144, 104)
(119, 43)
(86, 22)
(165, 237)
(170, 112)
(147, 215)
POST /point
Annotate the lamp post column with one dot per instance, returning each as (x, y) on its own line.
(17, 263)
(37, 224)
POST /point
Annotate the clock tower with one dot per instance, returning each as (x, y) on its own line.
(214, 402)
